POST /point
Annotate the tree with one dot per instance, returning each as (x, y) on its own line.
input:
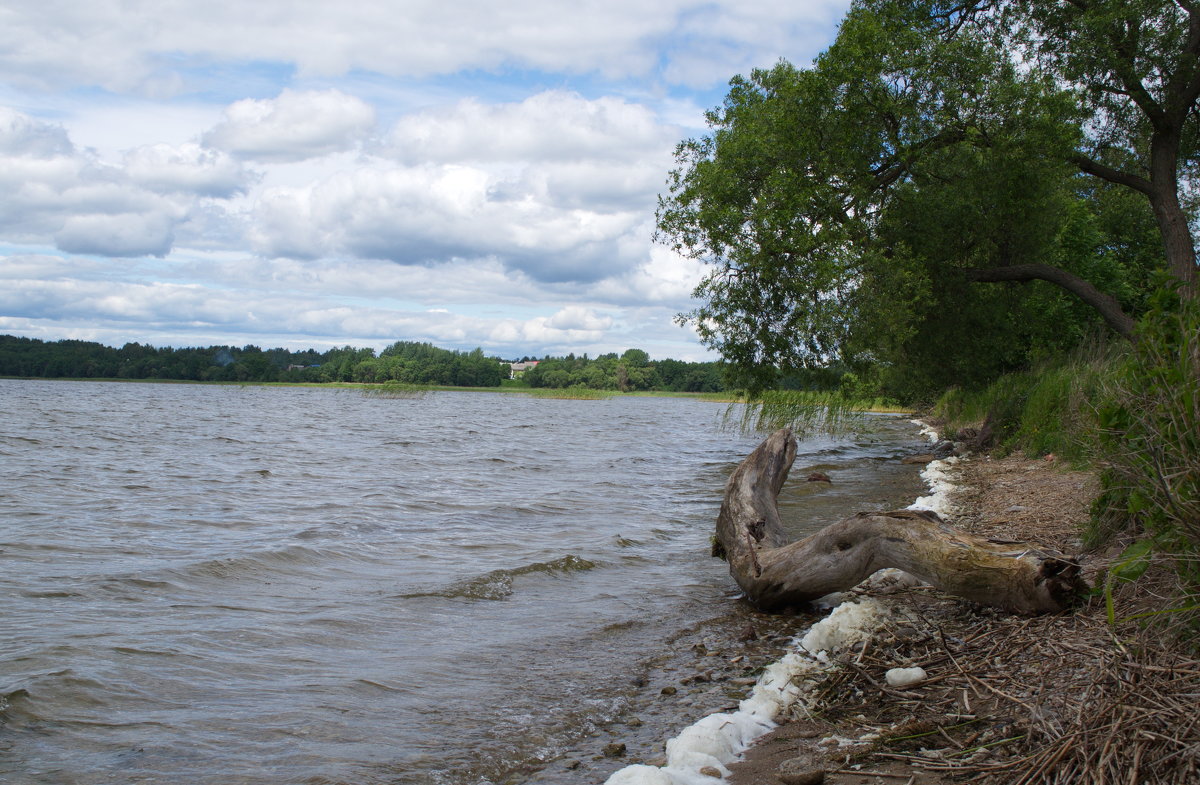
(848, 207)
(1135, 67)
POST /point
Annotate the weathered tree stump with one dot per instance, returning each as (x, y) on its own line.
(774, 573)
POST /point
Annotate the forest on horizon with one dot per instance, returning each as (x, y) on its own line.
(406, 362)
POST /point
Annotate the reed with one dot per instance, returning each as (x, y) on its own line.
(570, 393)
(393, 389)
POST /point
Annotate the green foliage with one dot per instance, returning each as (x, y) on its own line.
(804, 411)
(1151, 434)
(851, 211)
(1052, 409)
(412, 364)
(633, 371)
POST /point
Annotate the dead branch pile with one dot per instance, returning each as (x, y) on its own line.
(1052, 699)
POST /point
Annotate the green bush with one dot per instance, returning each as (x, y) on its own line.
(1151, 435)
(1050, 409)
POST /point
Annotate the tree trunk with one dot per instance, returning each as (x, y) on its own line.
(775, 574)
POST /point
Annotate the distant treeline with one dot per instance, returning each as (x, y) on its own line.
(629, 372)
(405, 362)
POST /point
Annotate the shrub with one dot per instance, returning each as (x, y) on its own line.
(1151, 432)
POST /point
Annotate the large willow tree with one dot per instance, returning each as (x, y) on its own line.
(863, 210)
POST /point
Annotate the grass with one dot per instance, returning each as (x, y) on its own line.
(1051, 409)
(570, 393)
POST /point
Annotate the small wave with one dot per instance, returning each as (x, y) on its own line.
(283, 560)
(50, 594)
(498, 584)
(140, 583)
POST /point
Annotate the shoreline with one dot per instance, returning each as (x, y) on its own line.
(998, 689)
(996, 685)
(704, 751)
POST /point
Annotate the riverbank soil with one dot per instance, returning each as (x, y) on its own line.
(1007, 699)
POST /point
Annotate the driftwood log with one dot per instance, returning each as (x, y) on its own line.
(774, 573)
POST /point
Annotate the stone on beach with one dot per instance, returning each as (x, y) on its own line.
(905, 677)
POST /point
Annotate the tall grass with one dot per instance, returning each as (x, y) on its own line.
(394, 389)
(1051, 409)
(569, 393)
(1151, 434)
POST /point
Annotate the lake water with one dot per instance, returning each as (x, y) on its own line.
(204, 584)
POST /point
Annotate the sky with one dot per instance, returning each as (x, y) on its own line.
(311, 174)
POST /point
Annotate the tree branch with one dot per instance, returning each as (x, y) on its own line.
(1095, 168)
(1104, 304)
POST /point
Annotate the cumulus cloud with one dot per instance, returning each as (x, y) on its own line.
(556, 186)
(188, 168)
(431, 214)
(296, 125)
(53, 192)
(550, 126)
(577, 317)
(139, 45)
(121, 234)
(21, 135)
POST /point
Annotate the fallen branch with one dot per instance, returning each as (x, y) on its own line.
(774, 573)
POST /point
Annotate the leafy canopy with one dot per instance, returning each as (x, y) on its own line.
(850, 210)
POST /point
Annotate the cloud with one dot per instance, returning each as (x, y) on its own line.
(120, 234)
(21, 135)
(576, 317)
(292, 127)
(155, 47)
(53, 192)
(551, 126)
(432, 214)
(188, 168)
(321, 304)
(556, 186)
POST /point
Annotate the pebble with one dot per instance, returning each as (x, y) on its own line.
(574, 764)
(668, 691)
(614, 750)
(904, 677)
(711, 771)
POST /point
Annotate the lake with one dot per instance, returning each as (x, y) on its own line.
(211, 584)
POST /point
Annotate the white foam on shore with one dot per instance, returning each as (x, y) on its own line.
(940, 479)
(927, 430)
(719, 739)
